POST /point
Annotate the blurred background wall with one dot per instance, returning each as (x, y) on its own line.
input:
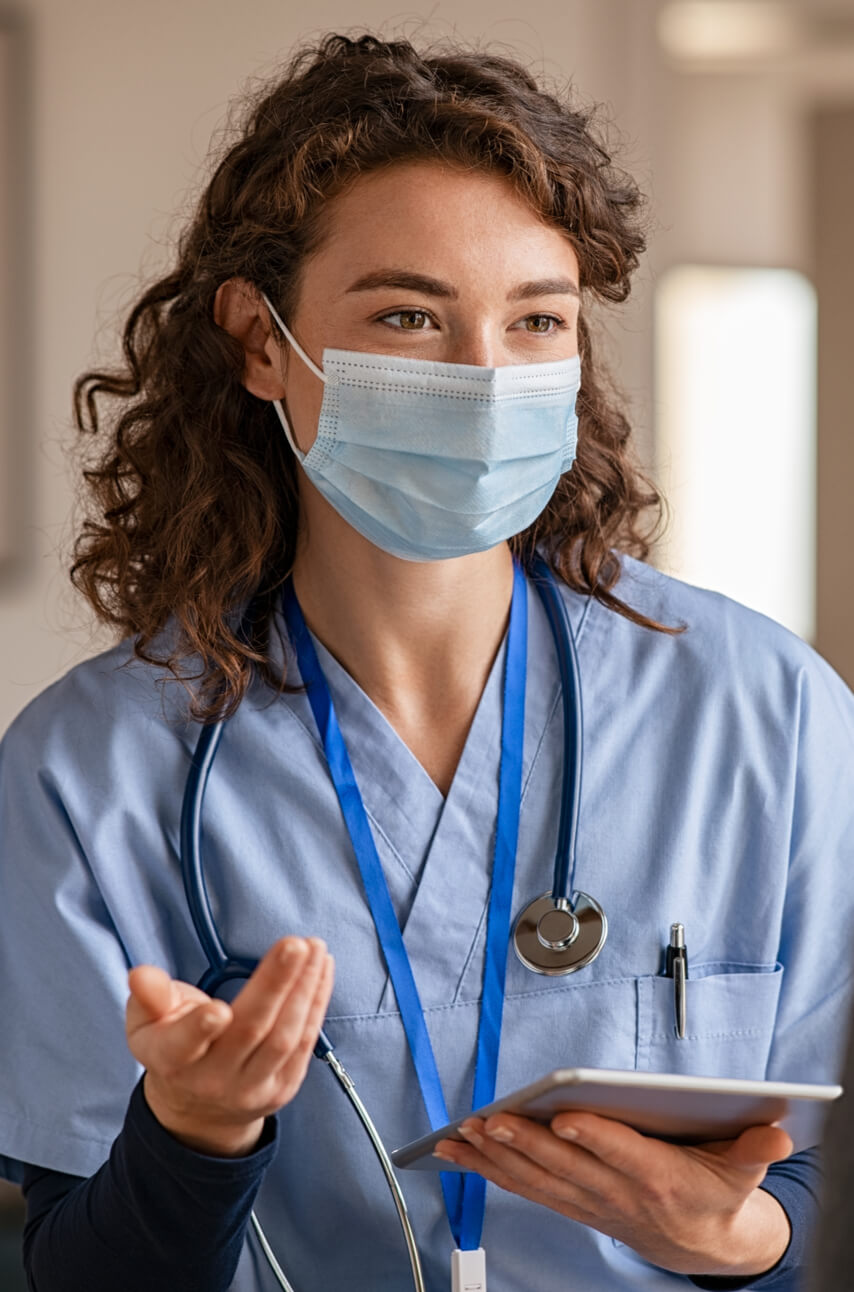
(738, 118)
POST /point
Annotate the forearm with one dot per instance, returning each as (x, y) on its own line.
(156, 1213)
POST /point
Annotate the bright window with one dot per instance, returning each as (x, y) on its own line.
(735, 434)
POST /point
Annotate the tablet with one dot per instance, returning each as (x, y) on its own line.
(684, 1110)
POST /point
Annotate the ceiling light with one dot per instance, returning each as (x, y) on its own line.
(712, 30)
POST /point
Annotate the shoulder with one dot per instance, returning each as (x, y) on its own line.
(109, 699)
(724, 650)
(703, 613)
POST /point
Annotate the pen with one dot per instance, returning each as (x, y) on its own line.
(676, 967)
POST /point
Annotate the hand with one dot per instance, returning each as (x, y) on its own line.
(691, 1209)
(214, 1071)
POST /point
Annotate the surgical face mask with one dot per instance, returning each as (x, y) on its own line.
(433, 460)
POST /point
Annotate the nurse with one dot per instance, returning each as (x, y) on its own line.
(349, 421)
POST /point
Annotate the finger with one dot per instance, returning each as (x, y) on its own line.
(556, 1179)
(151, 993)
(168, 1045)
(472, 1159)
(257, 1006)
(557, 1156)
(319, 1006)
(758, 1147)
(618, 1146)
(292, 1071)
(287, 1029)
(154, 996)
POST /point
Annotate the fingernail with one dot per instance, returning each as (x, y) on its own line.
(292, 947)
(318, 944)
(502, 1133)
(567, 1132)
(469, 1133)
(209, 1022)
(446, 1157)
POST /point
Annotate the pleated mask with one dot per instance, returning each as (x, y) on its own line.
(434, 460)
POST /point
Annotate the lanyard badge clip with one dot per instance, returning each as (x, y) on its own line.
(468, 1270)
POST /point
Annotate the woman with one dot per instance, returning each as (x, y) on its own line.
(343, 434)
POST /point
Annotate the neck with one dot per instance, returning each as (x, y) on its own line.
(418, 637)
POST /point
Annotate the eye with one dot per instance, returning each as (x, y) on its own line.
(411, 320)
(541, 322)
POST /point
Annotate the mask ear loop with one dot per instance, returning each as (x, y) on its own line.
(318, 372)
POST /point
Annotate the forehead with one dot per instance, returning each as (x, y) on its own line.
(435, 216)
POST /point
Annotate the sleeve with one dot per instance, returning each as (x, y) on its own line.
(89, 791)
(155, 1214)
(63, 972)
(818, 914)
(795, 1185)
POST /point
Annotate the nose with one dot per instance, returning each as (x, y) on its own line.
(478, 347)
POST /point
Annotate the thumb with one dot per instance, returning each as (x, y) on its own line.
(759, 1146)
(152, 995)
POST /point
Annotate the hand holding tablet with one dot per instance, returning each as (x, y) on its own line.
(687, 1110)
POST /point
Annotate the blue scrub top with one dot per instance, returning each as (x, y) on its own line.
(718, 790)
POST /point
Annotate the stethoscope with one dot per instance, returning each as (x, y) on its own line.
(555, 934)
(565, 929)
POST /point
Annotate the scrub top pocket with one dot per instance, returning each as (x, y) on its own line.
(731, 1010)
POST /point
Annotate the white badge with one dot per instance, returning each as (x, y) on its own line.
(468, 1270)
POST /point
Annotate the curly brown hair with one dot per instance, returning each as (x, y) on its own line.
(194, 488)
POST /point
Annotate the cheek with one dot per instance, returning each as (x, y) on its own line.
(303, 400)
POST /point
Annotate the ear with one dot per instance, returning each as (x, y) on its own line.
(240, 311)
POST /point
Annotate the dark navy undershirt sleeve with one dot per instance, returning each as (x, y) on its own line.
(156, 1214)
(795, 1183)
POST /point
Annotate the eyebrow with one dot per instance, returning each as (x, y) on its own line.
(428, 286)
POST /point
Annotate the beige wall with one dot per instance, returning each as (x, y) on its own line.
(125, 97)
(833, 197)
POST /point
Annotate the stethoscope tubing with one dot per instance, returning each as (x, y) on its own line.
(573, 731)
(192, 871)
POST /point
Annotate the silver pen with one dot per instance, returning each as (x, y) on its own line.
(676, 967)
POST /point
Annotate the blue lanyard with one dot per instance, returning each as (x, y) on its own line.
(465, 1195)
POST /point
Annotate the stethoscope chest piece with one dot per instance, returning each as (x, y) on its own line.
(551, 937)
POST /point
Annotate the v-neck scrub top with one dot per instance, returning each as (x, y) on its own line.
(718, 790)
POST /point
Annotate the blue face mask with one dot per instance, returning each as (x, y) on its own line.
(434, 460)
